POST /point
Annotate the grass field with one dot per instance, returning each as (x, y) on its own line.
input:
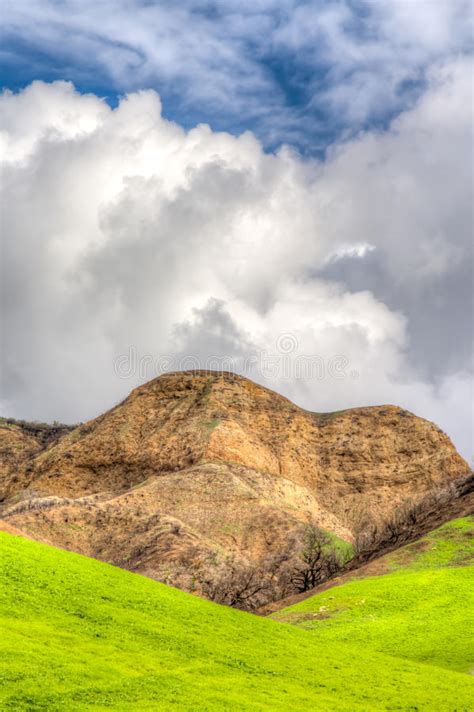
(78, 634)
(420, 609)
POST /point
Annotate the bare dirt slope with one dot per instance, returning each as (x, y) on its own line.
(195, 467)
(19, 443)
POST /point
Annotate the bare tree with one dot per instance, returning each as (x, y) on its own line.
(240, 585)
(317, 560)
(409, 519)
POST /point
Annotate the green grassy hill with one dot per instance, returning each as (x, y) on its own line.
(419, 607)
(80, 634)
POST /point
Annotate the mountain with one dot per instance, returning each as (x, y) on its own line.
(78, 634)
(198, 474)
(413, 603)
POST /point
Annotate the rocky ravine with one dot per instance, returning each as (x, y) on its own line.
(196, 467)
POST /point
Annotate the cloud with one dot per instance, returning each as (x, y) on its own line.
(376, 55)
(124, 230)
(293, 72)
(360, 249)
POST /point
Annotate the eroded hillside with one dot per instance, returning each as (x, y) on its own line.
(198, 469)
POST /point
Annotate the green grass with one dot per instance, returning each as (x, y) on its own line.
(344, 549)
(421, 609)
(78, 634)
(449, 545)
(210, 424)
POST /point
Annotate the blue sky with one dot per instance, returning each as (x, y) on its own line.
(302, 73)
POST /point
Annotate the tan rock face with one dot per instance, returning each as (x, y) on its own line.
(194, 465)
(16, 448)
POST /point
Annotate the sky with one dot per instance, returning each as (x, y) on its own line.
(281, 187)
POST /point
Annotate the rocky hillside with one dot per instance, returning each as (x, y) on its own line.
(198, 469)
(20, 441)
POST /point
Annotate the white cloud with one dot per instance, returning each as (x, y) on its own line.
(407, 190)
(374, 50)
(123, 229)
(359, 249)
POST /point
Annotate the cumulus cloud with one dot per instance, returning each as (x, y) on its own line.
(123, 230)
(298, 72)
